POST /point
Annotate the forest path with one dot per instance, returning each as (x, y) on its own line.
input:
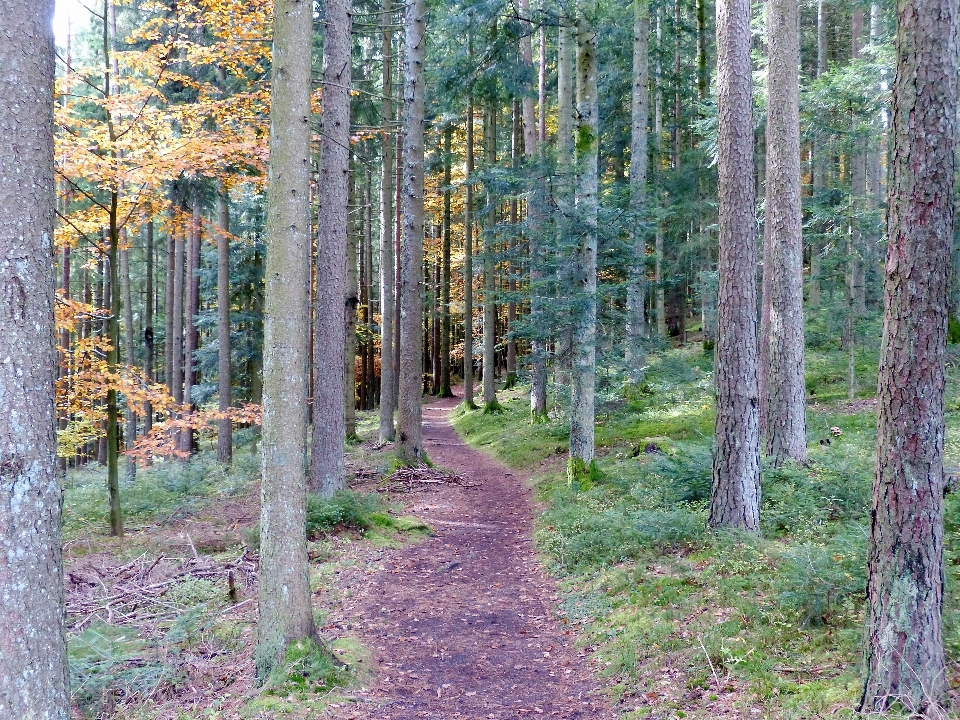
(461, 625)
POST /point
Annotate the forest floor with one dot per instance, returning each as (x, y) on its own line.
(458, 623)
(464, 625)
(488, 587)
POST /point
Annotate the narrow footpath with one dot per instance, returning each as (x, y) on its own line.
(462, 625)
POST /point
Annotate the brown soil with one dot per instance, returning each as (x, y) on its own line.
(462, 625)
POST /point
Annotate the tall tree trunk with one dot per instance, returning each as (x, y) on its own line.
(531, 135)
(409, 417)
(285, 614)
(511, 265)
(819, 164)
(398, 232)
(367, 259)
(224, 425)
(148, 347)
(565, 95)
(735, 492)
(33, 665)
(351, 303)
(583, 365)
(782, 381)
(388, 280)
(637, 273)
(858, 192)
(435, 314)
(904, 637)
(130, 429)
(444, 389)
(660, 300)
(168, 305)
(191, 335)
(871, 233)
(468, 258)
(327, 470)
(176, 374)
(490, 402)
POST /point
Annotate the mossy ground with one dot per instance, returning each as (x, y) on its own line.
(685, 623)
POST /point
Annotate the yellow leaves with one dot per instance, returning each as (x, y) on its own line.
(136, 141)
(162, 440)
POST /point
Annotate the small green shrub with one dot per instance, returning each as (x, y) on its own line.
(686, 473)
(823, 583)
(347, 509)
(791, 503)
(669, 528)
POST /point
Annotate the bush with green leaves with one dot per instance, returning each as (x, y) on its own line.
(824, 583)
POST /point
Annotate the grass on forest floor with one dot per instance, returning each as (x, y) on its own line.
(186, 652)
(686, 623)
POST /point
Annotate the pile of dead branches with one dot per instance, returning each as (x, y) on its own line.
(420, 479)
(138, 593)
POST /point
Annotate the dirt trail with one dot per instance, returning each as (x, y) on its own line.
(461, 625)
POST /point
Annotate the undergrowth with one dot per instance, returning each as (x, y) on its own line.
(685, 622)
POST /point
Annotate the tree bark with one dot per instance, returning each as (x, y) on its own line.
(285, 614)
(735, 492)
(783, 383)
(352, 289)
(819, 164)
(148, 345)
(327, 469)
(583, 364)
(33, 660)
(531, 147)
(564, 194)
(660, 300)
(168, 304)
(130, 430)
(444, 390)
(904, 642)
(191, 336)
(224, 425)
(637, 273)
(490, 402)
(409, 418)
(468, 257)
(388, 280)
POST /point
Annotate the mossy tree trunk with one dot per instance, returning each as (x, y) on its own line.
(584, 320)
